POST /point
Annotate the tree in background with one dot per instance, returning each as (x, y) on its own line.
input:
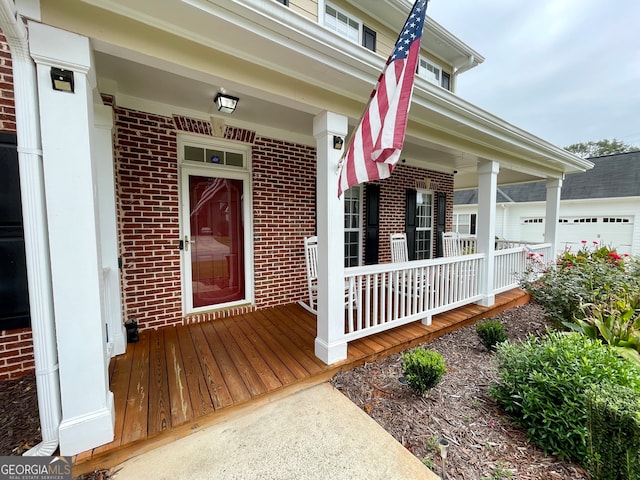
(601, 148)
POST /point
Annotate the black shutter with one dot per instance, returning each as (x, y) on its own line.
(472, 227)
(441, 222)
(372, 225)
(14, 292)
(410, 223)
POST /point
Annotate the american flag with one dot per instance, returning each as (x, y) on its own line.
(376, 143)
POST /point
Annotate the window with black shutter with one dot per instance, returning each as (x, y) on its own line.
(368, 38)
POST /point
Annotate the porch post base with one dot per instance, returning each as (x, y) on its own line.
(487, 301)
(330, 353)
(88, 431)
(119, 341)
(427, 320)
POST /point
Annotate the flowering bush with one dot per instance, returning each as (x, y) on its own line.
(587, 254)
(595, 291)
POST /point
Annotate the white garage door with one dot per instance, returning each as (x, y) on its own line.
(615, 232)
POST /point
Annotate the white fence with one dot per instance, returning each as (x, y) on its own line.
(510, 263)
(385, 296)
(392, 294)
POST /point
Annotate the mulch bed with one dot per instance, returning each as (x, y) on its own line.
(484, 444)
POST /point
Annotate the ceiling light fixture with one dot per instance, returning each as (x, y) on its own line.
(226, 103)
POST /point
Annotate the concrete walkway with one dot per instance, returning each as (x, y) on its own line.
(315, 434)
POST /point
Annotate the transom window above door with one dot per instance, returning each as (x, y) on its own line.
(213, 156)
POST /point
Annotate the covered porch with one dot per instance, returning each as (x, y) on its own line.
(177, 380)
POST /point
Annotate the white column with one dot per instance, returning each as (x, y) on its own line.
(486, 226)
(103, 154)
(330, 346)
(67, 129)
(35, 232)
(552, 213)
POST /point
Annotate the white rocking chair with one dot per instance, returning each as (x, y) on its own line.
(399, 252)
(451, 244)
(311, 261)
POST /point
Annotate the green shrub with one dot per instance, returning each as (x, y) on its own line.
(542, 383)
(423, 369)
(589, 276)
(491, 332)
(613, 422)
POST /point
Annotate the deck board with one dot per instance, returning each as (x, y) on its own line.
(135, 419)
(176, 380)
(179, 400)
(201, 402)
(233, 380)
(213, 376)
(159, 417)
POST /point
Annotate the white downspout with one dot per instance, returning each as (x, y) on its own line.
(35, 229)
(471, 62)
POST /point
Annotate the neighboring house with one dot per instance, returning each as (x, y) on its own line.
(600, 205)
(142, 201)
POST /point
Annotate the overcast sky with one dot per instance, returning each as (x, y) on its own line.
(567, 71)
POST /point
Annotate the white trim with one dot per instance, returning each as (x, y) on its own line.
(188, 168)
(84, 432)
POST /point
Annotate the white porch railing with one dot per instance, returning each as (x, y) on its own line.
(510, 263)
(388, 295)
(393, 294)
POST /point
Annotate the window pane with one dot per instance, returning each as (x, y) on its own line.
(234, 159)
(215, 156)
(195, 154)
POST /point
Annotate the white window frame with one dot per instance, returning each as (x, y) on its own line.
(186, 168)
(356, 191)
(340, 11)
(430, 71)
(425, 229)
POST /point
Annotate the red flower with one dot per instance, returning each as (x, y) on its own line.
(569, 264)
(614, 255)
(595, 243)
(583, 241)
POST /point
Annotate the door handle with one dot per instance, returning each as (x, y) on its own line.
(184, 244)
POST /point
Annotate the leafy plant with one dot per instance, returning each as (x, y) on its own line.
(589, 276)
(615, 322)
(423, 369)
(491, 332)
(543, 382)
(613, 422)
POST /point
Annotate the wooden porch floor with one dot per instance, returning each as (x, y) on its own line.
(177, 380)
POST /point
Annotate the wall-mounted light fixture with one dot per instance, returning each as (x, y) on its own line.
(226, 103)
(62, 80)
(337, 142)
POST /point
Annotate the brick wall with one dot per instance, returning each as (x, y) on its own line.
(147, 198)
(284, 213)
(392, 202)
(16, 346)
(7, 105)
(16, 353)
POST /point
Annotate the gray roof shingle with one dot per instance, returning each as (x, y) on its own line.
(612, 176)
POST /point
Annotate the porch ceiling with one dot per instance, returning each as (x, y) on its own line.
(174, 59)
